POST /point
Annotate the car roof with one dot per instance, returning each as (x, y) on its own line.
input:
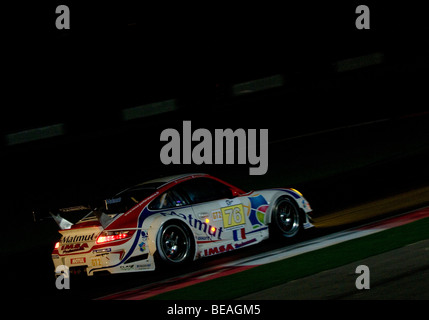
(168, 179)
(158, 183)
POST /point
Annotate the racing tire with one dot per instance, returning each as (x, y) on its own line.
(286, 219)
(175, 245)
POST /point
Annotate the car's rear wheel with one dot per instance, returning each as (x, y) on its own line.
(286, 219)
(175, 243)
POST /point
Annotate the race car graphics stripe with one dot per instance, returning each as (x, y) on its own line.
(239, 245)
(143, 215)
(208, 241)
(292, 193)
(257, 211)
(257, 201)
(243, 233)
(257, 230)
(235, 234)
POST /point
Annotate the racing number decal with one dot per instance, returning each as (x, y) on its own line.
(233, 216)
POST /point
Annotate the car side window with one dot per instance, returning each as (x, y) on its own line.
(168, 199)
(205, 189)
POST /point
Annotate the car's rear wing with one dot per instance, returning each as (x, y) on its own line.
(64, 224)
(74, 208)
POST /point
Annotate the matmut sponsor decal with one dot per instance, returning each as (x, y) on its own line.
(79, 238)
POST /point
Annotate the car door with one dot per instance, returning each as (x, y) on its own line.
(217, 215)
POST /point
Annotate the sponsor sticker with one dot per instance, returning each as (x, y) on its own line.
(74, 247)
(216, 215)
(78, 260)
(96, 262)
(218, 249)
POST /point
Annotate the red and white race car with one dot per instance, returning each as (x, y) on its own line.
(175, 220)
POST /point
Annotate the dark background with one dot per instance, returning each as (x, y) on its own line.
(121, 55)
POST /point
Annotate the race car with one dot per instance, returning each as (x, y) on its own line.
(173, 221)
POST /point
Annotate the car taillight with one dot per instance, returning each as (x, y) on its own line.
(57, 245)
(108, 236)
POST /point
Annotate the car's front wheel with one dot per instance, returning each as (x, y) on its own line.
(285, 218)
(175, 243)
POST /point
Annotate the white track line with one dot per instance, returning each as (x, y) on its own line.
(328, 240)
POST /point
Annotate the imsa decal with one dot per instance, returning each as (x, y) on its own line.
(227, 247)
(74, 247)
(217, 250)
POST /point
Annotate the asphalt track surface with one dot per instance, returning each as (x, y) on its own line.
(401, 274)
(331, 285)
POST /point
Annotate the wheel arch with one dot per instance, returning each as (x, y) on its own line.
(291, 229)
(159, 223)
(274, 199)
